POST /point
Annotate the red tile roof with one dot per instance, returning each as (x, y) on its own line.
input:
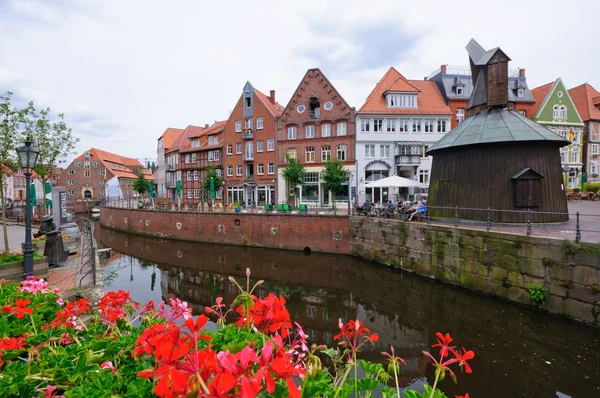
(401, 84)
(169, 136)
(189, 132)
(429, 99)
(583, 97)
(214, 129)
(276, 109)
(121, 166)
(539, 94)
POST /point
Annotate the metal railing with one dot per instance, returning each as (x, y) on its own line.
(87, 255)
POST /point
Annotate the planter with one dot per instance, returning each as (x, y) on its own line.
(140, 205)
(237, 209)
(14, 271)
(38, 247)
(69, 243)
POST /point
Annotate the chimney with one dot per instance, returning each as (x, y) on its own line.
(521, 72)
(206, 126)
(443, 69)
(272, 96)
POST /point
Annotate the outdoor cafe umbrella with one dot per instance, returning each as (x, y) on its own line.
(48, 192)
(151, 192)
(212, 188)
(32, 196)
(394, 182)
(178, 193)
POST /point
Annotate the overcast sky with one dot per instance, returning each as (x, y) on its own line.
(124, 70)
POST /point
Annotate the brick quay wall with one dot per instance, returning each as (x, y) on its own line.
(500, 264)
(323, 233)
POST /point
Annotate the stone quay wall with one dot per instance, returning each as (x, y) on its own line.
(494, 263)
(324, 233)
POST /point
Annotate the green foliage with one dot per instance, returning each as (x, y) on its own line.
(334, 175)
(373, 255)
(211, 171)
(591, 187)
(571, 248)
(537, 294)
(293, 174)
(140, 185)
(14, 257)
(427, 392)
(596, 288)
(576, 190)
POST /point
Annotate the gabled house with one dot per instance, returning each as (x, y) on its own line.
(395, 126)
(317, 125)
(587, 101)
(249, 140)
(165, 142)
(174, 162)
(201, 148)
(555, 110)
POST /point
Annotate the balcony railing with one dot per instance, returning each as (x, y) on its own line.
(408, 160)
(170, 167)
(248, 157)
(171, 184)
(247, 134)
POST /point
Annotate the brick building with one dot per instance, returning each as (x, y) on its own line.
(200, 149)
(250, 159)
(587, 101)
(88, 175)
(456, 85)
(316, 125)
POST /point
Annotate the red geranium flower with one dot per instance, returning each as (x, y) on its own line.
(20, 310)
(443, 343)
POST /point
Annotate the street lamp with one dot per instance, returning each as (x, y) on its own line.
(27, 160)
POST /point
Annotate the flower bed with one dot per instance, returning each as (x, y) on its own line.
(46, 349)
(40, 243)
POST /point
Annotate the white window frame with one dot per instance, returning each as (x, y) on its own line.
(195, 175)
(460, 116)
(260, 146)
(260, 169)
(292, 133)
(403, 126)
(341, 129)
(576, 155)
(271, 168)
(210, 156)
(238, 170)
(216, 155)
(229, 171)
(556, 112)
(259, 123)
(229, 149)
(270, 145)
(595, 149)
(188, 176)
(378, 125)
(343, 150)
(441, 126)
(187, 158)
(196, 193)
(459, 90)
(238, 126)
(416, 126)
(520, 93)
(391, 125)
(238, 148)
(292, 153)
(365, 125)
(325, 150)
(194, 157)
(326, 130)
(310, 159)
(189, 193)
(384, 150)
(594, 167)
(310, 131)
(248, 123)
(369, 151)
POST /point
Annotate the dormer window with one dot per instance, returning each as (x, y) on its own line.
(248, 102)
(520, 93)
(459, 90)
(87, 156)
(401, 101)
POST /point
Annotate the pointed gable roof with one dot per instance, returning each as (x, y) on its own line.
(539, 94)
(429, 97)
(479, 56)
(401, 85)
(169, 136)
(276, 108)
(118, 165)
(583, 97)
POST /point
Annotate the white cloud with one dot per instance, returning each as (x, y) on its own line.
(123, 71)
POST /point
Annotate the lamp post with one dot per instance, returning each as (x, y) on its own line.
(349, 175)
(27, 160)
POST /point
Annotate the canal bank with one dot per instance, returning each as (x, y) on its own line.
(493, 263)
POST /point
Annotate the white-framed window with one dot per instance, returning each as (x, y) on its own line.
(196, 142)
(428, 126)
(270, 145)
(369, 151)
(522, 113)
(230, 171)
(594, 149)
(238, 170)
(563, 112)
(310, 131)
(238, 126)
(101, 192)
(271, 168)
(563, 157)
(249, 124)
(424, 176)
(259, 123)
(291, 153)
(441, 126)
(86, 165)
(594, 167)
(459, 90)
(311, 312)
(211, 156)
(384, 151)
(218, 171)
(187, 158)
(309, 154)
(574, 157)
(365, 125)
(460, 115)
(216, 155)
(391, 125)
(341, 129)
(101, 182)
(325, 153)
(194, 157)
(238, 148)
(87, 173)
(520, 93)
(195, 175)
(260, 146)
(326, 130)
(403, 127)
(292, 133)
(401, 101)
(328, 105)
(378, 125)
(213, 140)
(196, 193)
(416, 124)
(341, 152)
(229, 149)
(260, 170)
(188, 176)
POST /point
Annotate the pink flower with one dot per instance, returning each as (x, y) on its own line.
(33, 285)
(49, 392)
(60, 301)
(108, 365)
(179, 309)
(56, 290)
(65, 339)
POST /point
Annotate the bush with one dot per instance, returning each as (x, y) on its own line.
(576, 190)
(591, 187)
(537, 294)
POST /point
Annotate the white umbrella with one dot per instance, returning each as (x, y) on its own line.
(394, 181)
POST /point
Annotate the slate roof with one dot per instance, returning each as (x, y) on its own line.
(478, 55)
(496, 126)
(429, 98)
(583, 97)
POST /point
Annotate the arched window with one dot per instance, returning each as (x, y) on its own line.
(563, 112)
(556, 112)
(87, 194)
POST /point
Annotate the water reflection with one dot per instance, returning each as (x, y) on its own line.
(519, 352)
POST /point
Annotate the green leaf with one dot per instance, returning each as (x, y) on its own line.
(412, 394)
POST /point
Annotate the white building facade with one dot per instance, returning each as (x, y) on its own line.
(394, 128)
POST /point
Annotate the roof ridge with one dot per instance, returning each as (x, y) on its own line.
(390, 69)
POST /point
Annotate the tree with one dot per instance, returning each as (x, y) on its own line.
(140, 185)
(293, 174)
(211, 171)
(52, 138)
(10, 138)
(334, 175)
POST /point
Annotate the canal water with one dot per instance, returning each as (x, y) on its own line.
(519, 352)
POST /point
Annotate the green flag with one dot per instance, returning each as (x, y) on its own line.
(212, 188)
(32, 196)
(48, 191)
(179, 188)
(151, 189)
